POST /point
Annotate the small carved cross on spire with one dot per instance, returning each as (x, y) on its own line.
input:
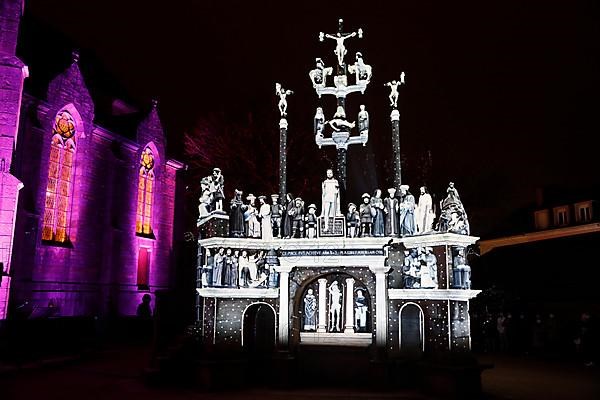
(154, 103)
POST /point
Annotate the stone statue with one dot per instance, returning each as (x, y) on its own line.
(288, 216)
(236, 215)
(407, 212)
(276, 211)
(453, 217)
(393, 85)
(363, 120)
(352, 221)
(378, 218)
(262, 273)
(431, 264)
(363, 71)
(411, 270)
(340, 50)
(266, 229)
(360, 312)
(297, 217)
(251, 218)
(207, 270)
(216, 188)
(339, 123)
(228, 268)
(235, 270)
(218, 265)
(330, 199)
(282, 93)
(461, 272)
(391, 206)
(335, 307)
(244, 267)
(205, 198)
(311, 222)
(424, 214)
(319, 122)
(366, 216)
(310, 311)
(318, 76)
(426, 258)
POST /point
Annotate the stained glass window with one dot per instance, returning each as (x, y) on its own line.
(60, 174)
(143, 224)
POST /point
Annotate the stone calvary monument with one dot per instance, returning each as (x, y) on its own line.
(384, 275)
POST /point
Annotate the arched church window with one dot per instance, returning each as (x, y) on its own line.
(60, 176)
(143, 225)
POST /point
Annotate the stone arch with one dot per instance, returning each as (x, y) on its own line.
(244, 332)
(297, 303)
(412, 326)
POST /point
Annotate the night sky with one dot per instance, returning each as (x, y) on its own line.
(503, 95)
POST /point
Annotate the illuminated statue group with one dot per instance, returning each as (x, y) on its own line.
(391, 216)
(336, 318)
(238, 269)
(420, 269)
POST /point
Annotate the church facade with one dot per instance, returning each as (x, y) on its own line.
(88, 216)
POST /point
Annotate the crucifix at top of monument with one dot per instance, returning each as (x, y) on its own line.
(340, 127)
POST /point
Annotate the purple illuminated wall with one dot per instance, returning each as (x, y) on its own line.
(95, 273)
(12, 74)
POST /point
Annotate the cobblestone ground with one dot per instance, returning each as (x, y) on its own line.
(117, 374)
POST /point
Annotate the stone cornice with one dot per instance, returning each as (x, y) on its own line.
(241, 293)
(432, 294)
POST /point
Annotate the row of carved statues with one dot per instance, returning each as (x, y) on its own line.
(239, 269)
(392, 216)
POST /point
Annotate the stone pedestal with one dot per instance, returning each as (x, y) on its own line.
(337, 229)
(215, 225)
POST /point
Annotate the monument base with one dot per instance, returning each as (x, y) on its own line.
(336, 227)
(215, 224)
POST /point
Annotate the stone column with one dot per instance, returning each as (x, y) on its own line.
(284, 307)
(395, 117)
(349, 327)
(283, 125)
(322, 323)
(381, 304)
